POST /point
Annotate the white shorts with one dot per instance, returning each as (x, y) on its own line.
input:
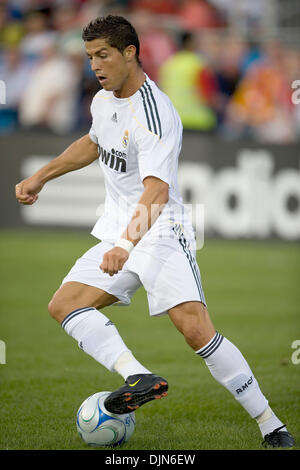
(166, 268)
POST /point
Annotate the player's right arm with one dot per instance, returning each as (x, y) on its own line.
(79, 154)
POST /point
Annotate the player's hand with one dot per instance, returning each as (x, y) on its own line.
(114, 260)
(27, 190)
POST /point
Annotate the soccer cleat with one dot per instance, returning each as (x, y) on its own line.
(138, 389)
(278, 438)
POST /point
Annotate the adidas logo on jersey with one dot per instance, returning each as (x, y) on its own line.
(114, 117)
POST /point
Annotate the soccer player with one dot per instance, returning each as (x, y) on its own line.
(146, 236)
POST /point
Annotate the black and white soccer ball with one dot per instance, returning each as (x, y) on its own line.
(99, 427)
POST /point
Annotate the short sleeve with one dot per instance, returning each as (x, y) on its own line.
(92, 135)
(157, 155)
(92, 132)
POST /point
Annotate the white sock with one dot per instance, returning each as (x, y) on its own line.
(97, 336)
(228, 366)
(268, 421)
(127, 365)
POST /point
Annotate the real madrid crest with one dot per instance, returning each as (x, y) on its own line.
(125, 139)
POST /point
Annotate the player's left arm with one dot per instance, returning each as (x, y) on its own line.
(150, 206)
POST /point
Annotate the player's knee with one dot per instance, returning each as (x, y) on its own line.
(56, 310)
(52, 309)
(194, 323)
(192, 331)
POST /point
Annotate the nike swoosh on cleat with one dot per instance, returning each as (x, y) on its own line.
(132, 385)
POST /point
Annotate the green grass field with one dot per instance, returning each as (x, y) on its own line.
(253, 295)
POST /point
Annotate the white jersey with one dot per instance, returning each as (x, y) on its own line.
(137, 137)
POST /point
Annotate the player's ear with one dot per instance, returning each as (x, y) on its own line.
(129, 53)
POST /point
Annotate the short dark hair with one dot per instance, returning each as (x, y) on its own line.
(118, 32)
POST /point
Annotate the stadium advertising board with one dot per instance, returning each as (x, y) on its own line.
(248, 190)
(245, 190)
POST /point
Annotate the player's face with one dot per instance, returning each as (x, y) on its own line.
(110, 66)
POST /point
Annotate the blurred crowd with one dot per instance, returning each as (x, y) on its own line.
(220, 82)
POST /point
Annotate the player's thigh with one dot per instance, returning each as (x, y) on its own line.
(73, 295)
(87, 286)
